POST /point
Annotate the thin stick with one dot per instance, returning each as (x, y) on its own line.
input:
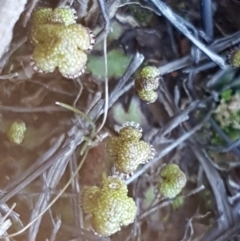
(107, 26)
(53, 201)
(178, 22)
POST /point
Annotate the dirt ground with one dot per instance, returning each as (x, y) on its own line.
(194, 121)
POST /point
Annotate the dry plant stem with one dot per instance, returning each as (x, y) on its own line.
(218, 45)
(228, 148)
(19, 109)
(108, 9)
(6, 224)
(93, 132)
(79, 92)
(54, 176)
(53, 201)
(178, 23)
(207, 17)
(13, 215)
(176, 121)
(224, 137)
(96, 97)
(62, 3)
(76, 190)
(189, 225)
(215, 78)
(7, 55)
(229, 233)
(224, 209)
(27, 16)
(24, 179)
(119, 89)
(8, 76)
(105, 14)
(83, 234)
(10, 12)
(50, 88)
(106, 86)
(51, 179)
(139, 4)
(55, 229)
(167, 202)
(203, 67)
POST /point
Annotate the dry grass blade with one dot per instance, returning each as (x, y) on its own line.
(5, 223)
(179, 24)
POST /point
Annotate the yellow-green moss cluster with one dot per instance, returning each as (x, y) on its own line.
(16, 132)
(59, 42)
(174, 180)
(110, 206)
(147, 84)
(127, 150)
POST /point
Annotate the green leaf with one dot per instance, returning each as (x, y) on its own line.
(117, 64)
(227, 95)
(134, 112)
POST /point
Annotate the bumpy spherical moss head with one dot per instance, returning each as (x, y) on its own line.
(66, 16)
(146, 84)
(128, 151)
(16, 132)
(147, 96)
(111, 209)
(41, 16)
(61, 48)
(88, 197)
(130, 133)
(233, 57)
(131, 154)
(150, 72)
(173, 182)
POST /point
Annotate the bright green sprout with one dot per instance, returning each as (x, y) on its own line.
(227, 95)
(174, 180)
(127, 150)
(147, 84)
(16, 132)
(110, 206)
(59, 42)
(233, 57)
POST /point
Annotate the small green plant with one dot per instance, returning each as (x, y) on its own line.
(127, 150)
(174, 180)
(147, 84)
(227, 115)
(110, 206)
(16, 132)
(59, 42)
(178, 202)
(233, 57)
